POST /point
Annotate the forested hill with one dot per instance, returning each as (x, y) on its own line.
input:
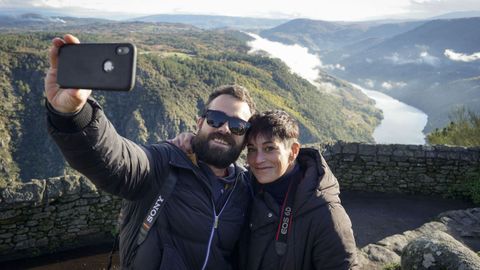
(178, 66)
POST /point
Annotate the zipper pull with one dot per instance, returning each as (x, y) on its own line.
(216, 222)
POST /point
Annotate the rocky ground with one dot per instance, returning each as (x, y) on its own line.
(384, 224)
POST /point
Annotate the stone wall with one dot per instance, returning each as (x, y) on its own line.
(406, 169)
(46, 216)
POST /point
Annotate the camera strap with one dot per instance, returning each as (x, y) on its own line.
(157, 206)
(286, 218)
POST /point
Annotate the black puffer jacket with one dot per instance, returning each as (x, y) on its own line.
(320, 236)
(189, 233)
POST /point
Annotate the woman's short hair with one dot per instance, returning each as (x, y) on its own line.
(273, 124)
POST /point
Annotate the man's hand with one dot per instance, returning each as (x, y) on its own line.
(183, 141)
(63, 100)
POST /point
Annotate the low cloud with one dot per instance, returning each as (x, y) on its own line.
(389, 85)
(369, 83)
(296, 57)
(454, 56)
(386, 85)
(327, 87)
(333, 67)
(424, 58)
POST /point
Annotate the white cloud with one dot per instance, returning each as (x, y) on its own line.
(295, 56)
(429, 59)
(327, 87)
(389, 85)
(423, 58)
(333, 67)
(369, 83)
(452, 55)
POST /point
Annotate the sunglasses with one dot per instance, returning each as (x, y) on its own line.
(216, 119)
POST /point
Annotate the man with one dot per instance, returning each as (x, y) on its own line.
(199, 224)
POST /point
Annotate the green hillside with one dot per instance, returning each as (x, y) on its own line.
(178, 65)
(463, 130)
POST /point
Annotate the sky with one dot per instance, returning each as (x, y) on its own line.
(330, 10)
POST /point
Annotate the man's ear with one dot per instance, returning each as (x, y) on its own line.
(294, 150)
(199, 123)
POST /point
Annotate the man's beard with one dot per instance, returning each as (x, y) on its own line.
(216, 155)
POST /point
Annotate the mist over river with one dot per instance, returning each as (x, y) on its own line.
(402, 124)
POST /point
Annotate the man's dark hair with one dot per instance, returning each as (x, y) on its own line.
(239, 92)
(273, 124)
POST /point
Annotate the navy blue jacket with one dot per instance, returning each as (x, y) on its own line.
(189, 233)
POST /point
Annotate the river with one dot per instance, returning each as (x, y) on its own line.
(402, 123)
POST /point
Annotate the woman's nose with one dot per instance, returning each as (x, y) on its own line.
(259, 157)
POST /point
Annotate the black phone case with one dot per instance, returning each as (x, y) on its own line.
(82, 66)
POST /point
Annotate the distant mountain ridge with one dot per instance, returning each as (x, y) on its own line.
(212, 21)
(37, 21)
(414, 67)
(323, 36)
(411, 61)
(458, 15)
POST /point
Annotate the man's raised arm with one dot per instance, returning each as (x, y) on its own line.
(88, 140)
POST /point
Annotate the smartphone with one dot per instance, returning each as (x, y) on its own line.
(97, 66)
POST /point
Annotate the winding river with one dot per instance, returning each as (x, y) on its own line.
(402, 123)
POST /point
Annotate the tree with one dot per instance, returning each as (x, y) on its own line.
(463, 130)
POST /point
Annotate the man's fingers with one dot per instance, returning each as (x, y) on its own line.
(56, 44)
(183, 141)
(71, 39)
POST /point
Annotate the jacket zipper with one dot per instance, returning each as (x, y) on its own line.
(215, 222)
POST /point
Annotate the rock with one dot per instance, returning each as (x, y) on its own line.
(438, 250)
(365, 263)
(463, 225)
(25, 192)
(395, 243)
(380, 254)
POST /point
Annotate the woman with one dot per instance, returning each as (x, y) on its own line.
(297, 221)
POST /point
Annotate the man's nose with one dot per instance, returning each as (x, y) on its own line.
(224, 128)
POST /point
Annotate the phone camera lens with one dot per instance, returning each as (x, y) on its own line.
(123, 50)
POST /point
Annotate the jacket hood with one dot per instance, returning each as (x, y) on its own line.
(318, 186)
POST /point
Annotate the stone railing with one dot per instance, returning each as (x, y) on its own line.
(46, 216)
(406, 169)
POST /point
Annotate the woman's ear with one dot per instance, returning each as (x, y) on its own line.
(294, 150)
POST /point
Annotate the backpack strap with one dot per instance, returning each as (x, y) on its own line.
(152, 215)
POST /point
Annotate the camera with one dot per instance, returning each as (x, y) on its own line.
(123, 50)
